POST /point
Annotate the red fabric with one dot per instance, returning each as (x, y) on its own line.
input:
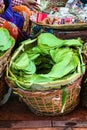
(12, 28)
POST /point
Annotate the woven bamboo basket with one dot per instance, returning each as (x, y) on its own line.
(56, 3)
(84, 81)
(2, 89)
(5, 91)
(61, 27)
(4, 60)
(85, 53)
(47, 102)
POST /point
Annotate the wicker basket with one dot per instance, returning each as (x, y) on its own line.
(84, 81)
(85, 53)
(61, 31)
(4, 91)
(4, 59)
(47, 102)
(56, 3)
(50, 102)
(60, 27)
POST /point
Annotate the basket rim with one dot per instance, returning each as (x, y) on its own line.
(43, 92)
(84, 51)
(58, 83)
(75, 26)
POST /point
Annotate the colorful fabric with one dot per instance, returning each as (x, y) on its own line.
(2, 21)
(18, 16)
(12, 16)
(25, 12)
(12, 28)
(14, 2)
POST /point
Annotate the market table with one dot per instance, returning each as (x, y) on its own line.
(16, 115)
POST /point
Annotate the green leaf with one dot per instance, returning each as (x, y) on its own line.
(73, 42)
(49, 40)
(60, 53)
(31, 68)
(64, 98)
(21, 62)
(60, 69)
(6, 40)
(10, 42)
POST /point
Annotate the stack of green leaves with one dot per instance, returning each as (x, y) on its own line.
(51, 59)
(6, 41)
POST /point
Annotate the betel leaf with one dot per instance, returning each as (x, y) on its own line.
(49, 40)
(10, 42)
(6, 40)
(30, 69)
(58, 69)
(33, 53)
(62, 69)
(21, 62)
(73, 42)
(59, 53)
(39, 79)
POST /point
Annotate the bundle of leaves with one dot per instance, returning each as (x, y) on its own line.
(47, 59)
(6, 41)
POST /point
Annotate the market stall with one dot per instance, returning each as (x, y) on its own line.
(46, 73)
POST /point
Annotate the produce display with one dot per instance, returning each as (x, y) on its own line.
(46, 72)
(46, 59)
(75, 13)
(7, 43)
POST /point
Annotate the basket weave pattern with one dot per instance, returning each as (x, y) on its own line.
(56, 3)
(84, 81)
(50, 102)
(4, 59)
(2, 87)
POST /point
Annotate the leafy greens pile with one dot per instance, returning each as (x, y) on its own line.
(6, 41)
(44, 60)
